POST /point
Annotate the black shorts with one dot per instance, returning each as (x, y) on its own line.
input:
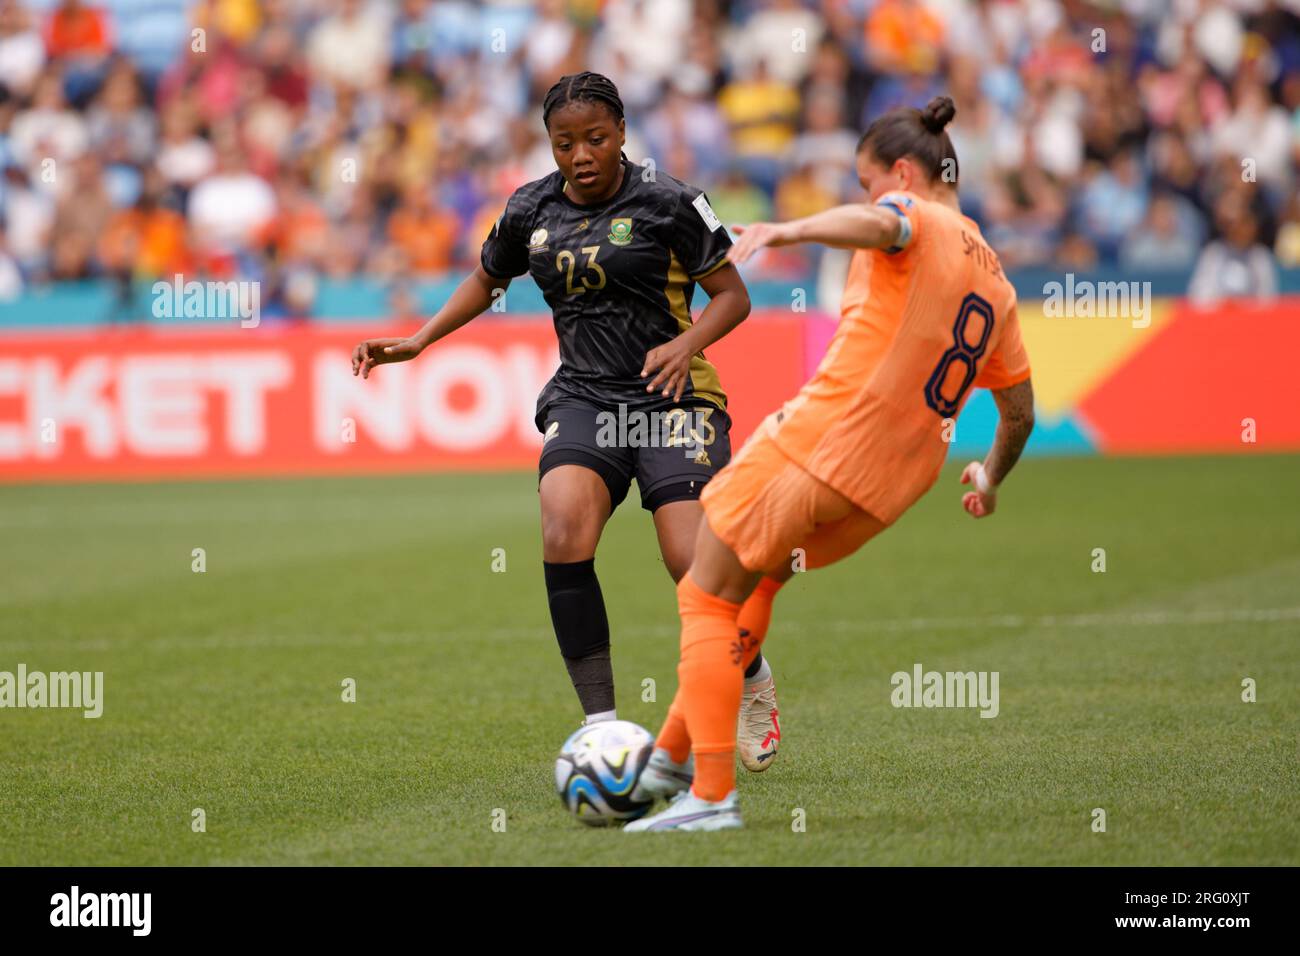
(672, 453)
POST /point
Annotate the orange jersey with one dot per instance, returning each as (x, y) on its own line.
(920, 324)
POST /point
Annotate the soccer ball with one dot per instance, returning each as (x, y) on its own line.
(597, 769)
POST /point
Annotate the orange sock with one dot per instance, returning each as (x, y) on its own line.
(673, 736)
(755, 616)
(710, 679)
(715, 774)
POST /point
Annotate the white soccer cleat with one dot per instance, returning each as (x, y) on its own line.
(758, 732)
(662, 777)
(689, 812)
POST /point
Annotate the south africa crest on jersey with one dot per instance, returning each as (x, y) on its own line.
(620, 231)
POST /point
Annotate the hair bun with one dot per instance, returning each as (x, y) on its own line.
(938, 113)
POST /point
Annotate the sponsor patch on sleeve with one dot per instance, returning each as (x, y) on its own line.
(706, 212)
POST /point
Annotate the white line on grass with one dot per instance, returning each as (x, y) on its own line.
(1158, 618)
(1126, 619)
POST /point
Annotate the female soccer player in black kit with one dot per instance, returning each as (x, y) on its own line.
(617, 251)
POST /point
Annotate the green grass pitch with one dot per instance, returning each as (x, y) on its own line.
(1119, 690)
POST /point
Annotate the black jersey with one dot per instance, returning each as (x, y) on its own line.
(618, 275)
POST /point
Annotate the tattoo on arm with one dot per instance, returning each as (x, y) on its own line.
(1015, 423)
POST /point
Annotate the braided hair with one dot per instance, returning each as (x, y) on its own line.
(916, 133)
(582, 88)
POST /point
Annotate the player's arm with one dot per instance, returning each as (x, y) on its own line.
(854, 226)
(728, 306)
(1015, 423)
(472, 297)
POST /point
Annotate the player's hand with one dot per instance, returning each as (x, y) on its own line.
(979, 504)
(671, 366)
(754, 237)
(374, 352)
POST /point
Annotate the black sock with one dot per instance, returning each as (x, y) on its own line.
(752, 669)
(582, 631)
(593, 679)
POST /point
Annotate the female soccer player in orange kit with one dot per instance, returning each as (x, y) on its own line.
(926, 314)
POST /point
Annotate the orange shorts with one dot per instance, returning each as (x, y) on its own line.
(764, 506)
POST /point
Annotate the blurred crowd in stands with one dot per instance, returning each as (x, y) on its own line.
(291, 140)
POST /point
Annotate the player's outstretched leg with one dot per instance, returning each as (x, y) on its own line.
(671, 767)
(758, 730)
(710, 678)
(710, 682)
